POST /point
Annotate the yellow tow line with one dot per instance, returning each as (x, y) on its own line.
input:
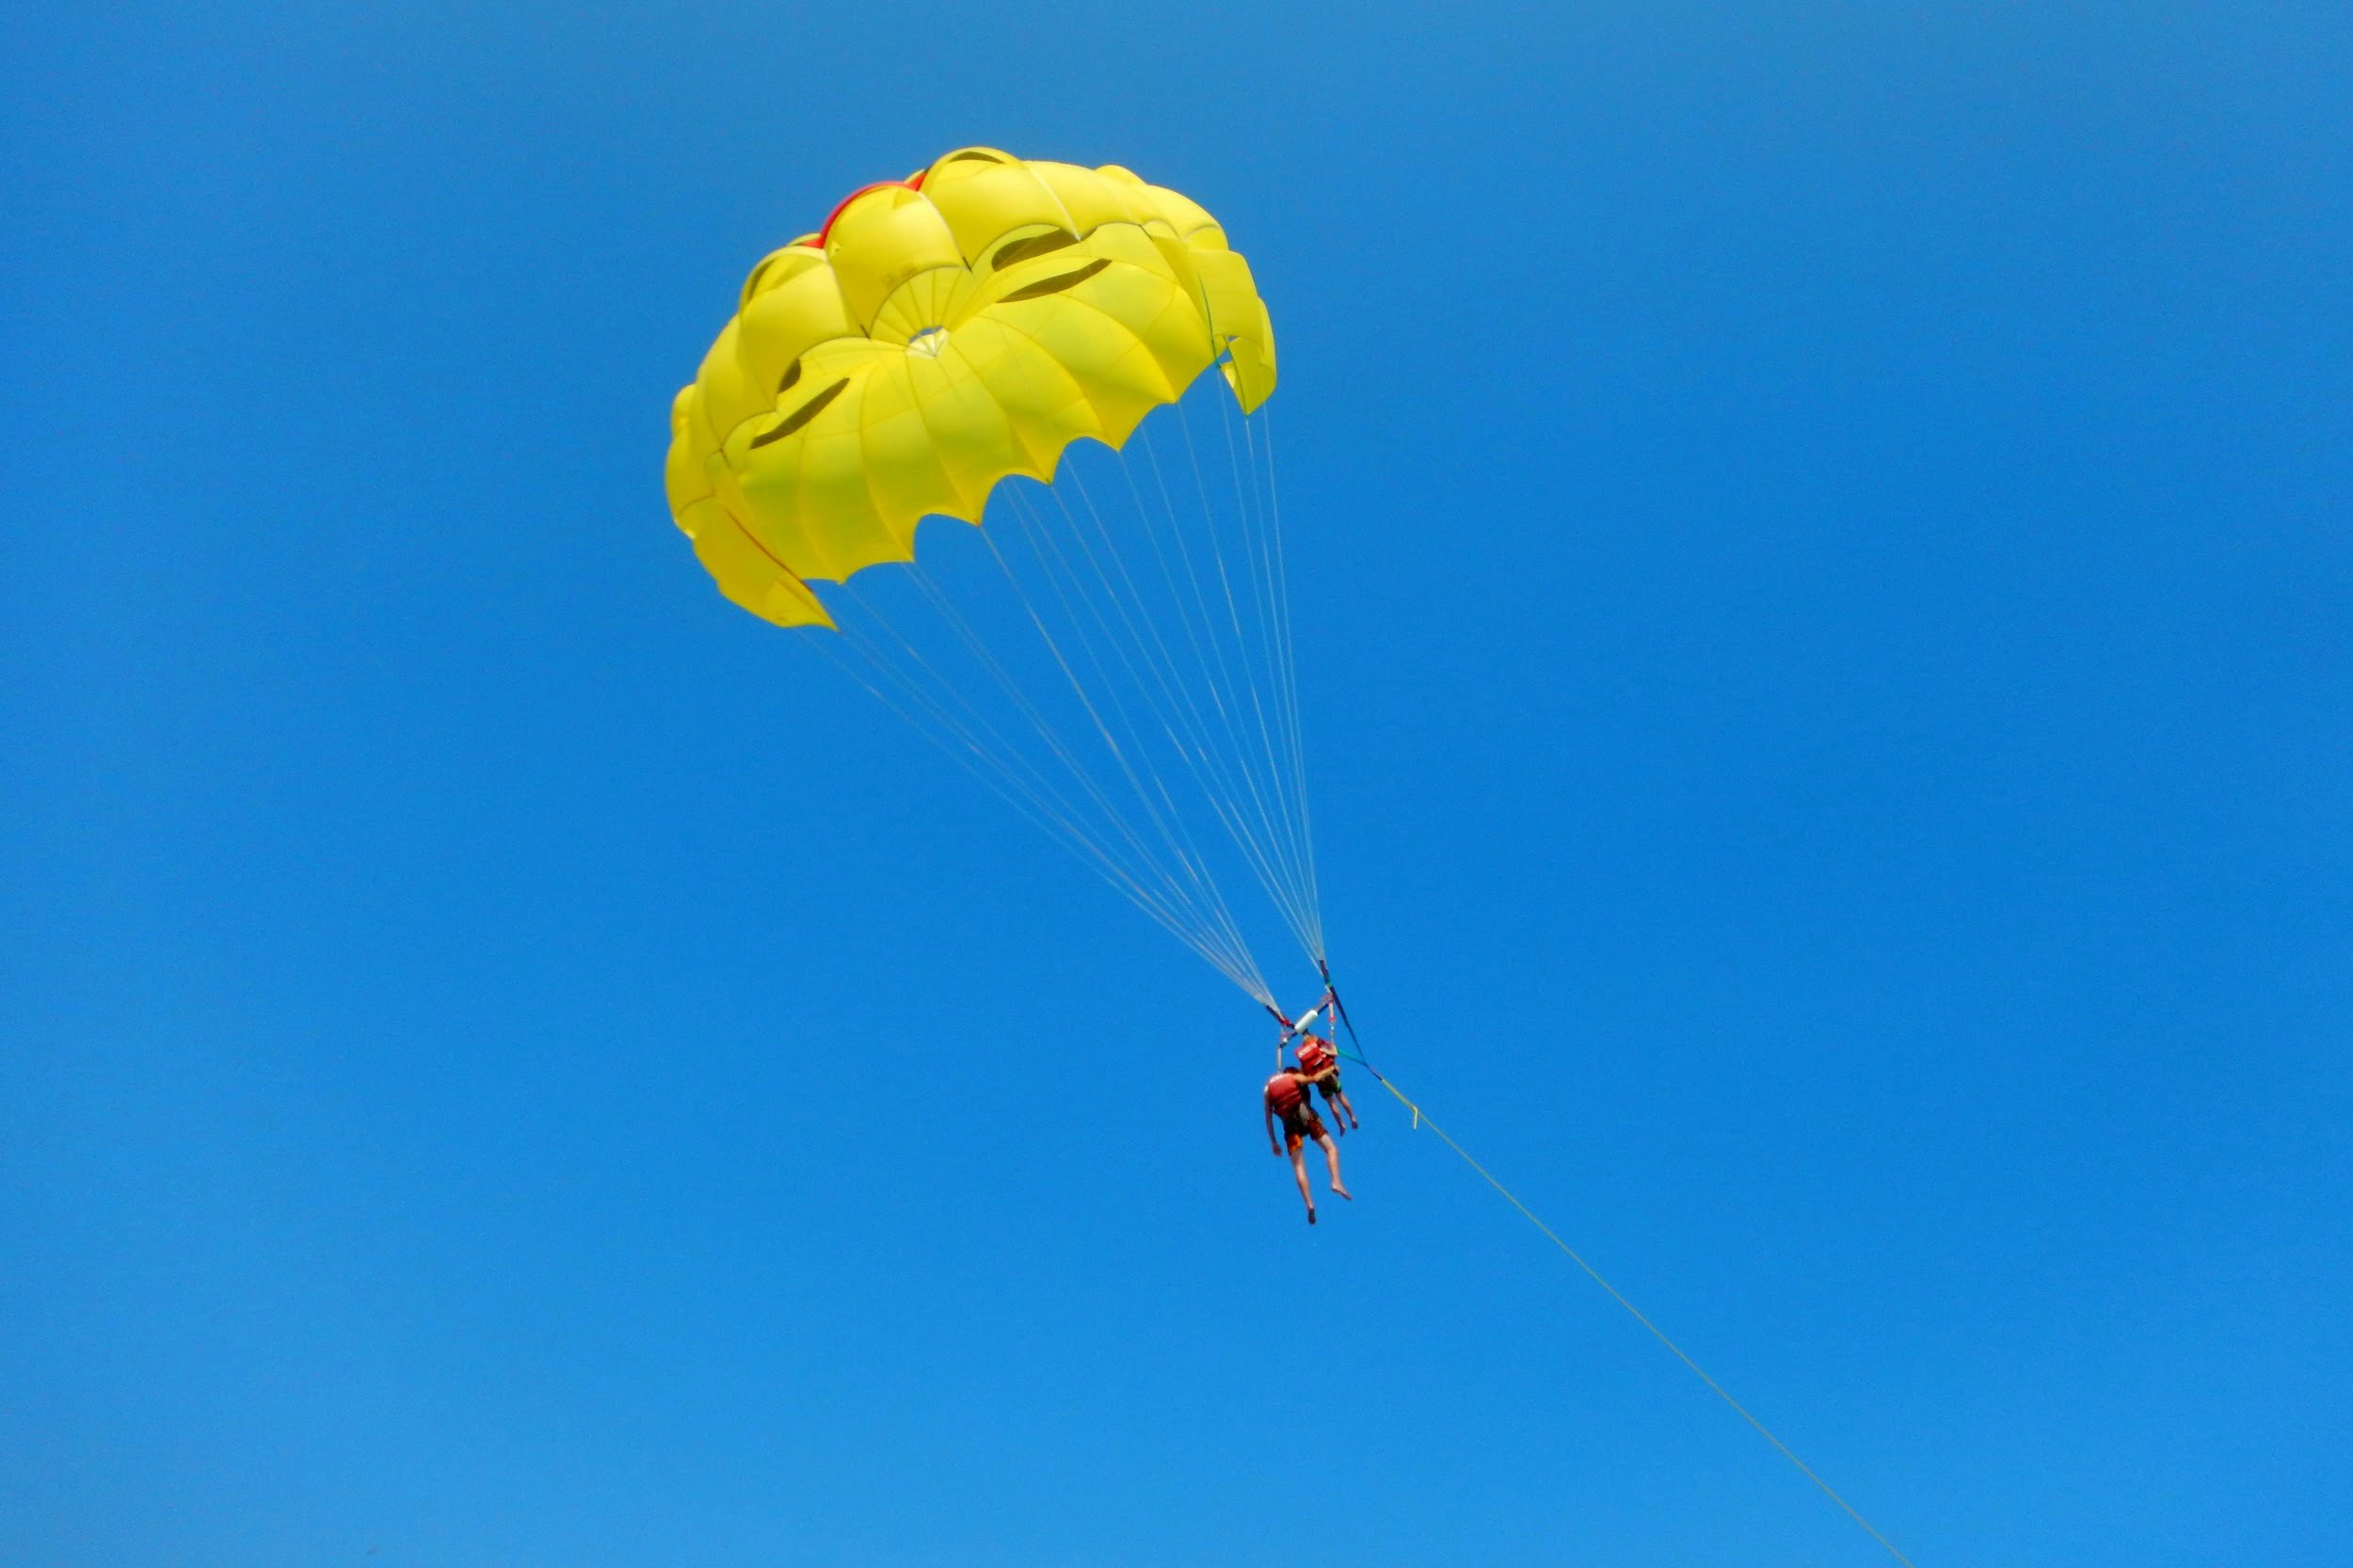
(1422, 1119)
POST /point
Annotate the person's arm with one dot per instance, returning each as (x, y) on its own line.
(1266, 1104)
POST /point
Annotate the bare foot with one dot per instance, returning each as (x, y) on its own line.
(1344, 1191)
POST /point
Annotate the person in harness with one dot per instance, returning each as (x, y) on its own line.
(1320, 1067)
(1285, 1099)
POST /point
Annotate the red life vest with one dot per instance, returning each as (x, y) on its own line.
(1314, 1054)
(1284, 1092)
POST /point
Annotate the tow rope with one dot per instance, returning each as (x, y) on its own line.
(1421, 1119)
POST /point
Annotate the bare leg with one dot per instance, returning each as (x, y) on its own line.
(1348, 1108)
(1299, 1169)
(1330, 1157)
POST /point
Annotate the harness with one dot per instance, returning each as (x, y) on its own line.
(1330, 1004)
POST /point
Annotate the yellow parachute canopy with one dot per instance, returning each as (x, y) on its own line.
(937, 334)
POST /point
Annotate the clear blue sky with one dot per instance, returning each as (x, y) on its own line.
(1826, 654)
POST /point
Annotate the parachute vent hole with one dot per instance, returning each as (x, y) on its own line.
(805, 412)
(971, 155)
(1014, 252)
(792, 374)
(1056, 285)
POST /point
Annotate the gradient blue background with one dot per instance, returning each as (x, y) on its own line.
(1825, 627)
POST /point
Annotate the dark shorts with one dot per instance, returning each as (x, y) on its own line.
(1330, 1087)
(1303, 1124)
